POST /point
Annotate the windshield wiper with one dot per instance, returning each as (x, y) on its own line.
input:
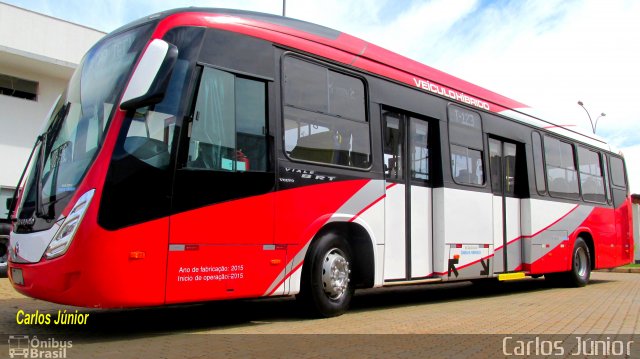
(24, 171)
(39, 169)
(53, 129)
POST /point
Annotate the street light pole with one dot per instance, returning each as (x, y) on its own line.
(284, 7)
(593, 128)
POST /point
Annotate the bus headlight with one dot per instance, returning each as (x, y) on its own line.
(61, 241)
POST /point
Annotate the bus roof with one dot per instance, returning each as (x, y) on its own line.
(373, 59)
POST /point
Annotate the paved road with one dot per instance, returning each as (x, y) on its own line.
(609, 305)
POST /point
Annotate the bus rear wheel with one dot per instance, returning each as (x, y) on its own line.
(326, 288)
(580, 271)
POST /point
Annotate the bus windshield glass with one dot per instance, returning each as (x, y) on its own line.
(76, 128)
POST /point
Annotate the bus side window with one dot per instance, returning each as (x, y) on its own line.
(618, 180)
(324, 115)
(149, 137)
(466, 146)
(151, 130)
(617, 172)
(419, 148)
(538, 163)
(591, 178)
(228, 131)
(393, 146)
(562, 175)
(605, 170)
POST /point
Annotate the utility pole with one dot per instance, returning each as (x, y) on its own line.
(284, 7)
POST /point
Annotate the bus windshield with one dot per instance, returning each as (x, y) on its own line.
(75, 130)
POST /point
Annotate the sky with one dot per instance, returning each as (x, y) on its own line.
(547, 54)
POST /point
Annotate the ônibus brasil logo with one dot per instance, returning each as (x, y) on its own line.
(24, 346)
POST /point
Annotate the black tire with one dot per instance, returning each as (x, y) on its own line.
(580, 271)
(328, 261)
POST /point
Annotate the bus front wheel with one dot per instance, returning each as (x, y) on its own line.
(326, 288)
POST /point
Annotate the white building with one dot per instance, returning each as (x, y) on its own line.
(38, 55)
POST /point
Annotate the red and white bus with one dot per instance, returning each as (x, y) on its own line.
(208, 154)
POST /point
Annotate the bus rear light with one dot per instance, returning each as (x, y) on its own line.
(62, 239)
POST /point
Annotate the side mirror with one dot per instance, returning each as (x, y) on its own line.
(151, 77)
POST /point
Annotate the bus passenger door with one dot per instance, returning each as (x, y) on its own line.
(221, 229)
(408, 217)
(506, 206)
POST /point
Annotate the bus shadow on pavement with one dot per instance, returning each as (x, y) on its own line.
(385, 298)
(391, 297)
(113, 325)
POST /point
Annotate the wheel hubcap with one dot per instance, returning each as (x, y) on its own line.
(335, 274)
(580, 262)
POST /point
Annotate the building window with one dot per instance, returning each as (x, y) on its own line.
(5, 194)
(20, 88)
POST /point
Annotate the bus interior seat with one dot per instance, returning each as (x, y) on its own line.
(463, 176)
(317, 148)
(149, 150)
(205, 158)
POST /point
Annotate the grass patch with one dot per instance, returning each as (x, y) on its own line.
(632, 265)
